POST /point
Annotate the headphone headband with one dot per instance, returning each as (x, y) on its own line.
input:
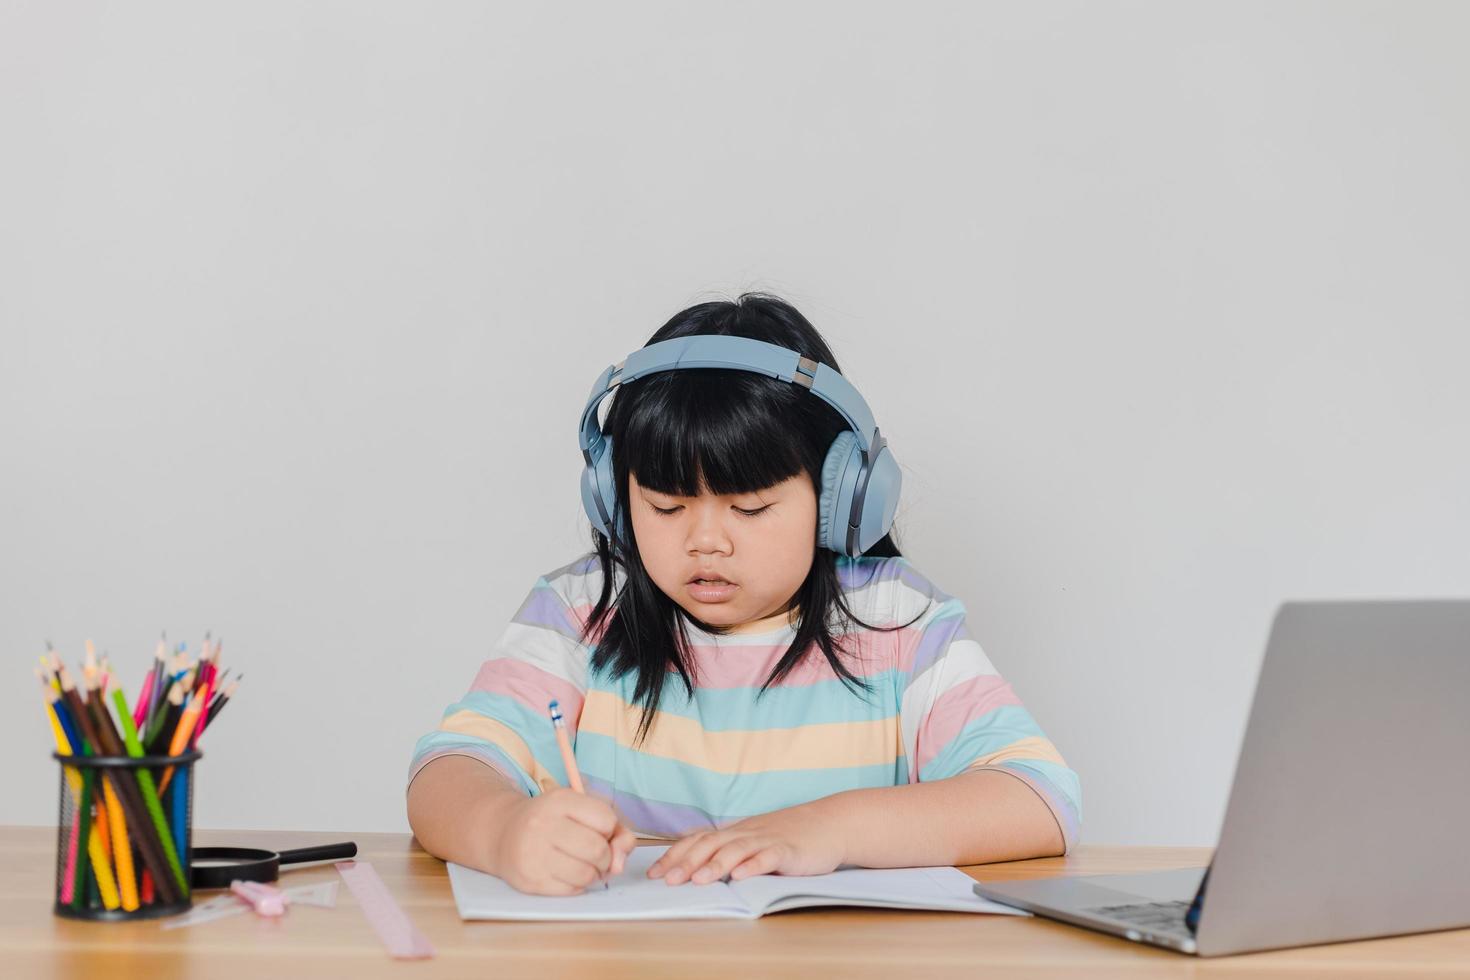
(731, 353)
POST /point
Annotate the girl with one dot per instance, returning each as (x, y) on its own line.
(770, 705)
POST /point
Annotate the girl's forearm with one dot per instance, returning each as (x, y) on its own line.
(972, 818)
(456, 808)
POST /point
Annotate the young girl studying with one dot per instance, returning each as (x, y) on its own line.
(744, 663)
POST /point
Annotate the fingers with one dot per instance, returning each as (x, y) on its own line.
(762, 862)
(726, 857)
(682, 858)
(601, 819)
(622, 844)
(672, 856)
(581, 842)
(568, 875)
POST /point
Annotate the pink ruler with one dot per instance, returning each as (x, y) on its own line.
(391, 923)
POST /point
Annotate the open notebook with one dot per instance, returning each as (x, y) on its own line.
(632, 895)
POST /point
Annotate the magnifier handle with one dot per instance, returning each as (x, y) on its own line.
(322, 852)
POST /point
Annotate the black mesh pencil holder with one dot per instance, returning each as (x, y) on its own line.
(124, 835)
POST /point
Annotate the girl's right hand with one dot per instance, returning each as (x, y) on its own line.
(561, 841)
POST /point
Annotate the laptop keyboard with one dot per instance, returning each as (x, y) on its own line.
(1154, 916)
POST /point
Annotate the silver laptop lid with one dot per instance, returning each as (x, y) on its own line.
(1348, 814)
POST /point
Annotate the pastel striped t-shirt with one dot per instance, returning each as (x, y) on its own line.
(936, 707)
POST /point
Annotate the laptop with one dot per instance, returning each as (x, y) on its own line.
(1347, 816)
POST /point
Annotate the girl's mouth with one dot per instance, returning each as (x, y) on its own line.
(711, 590)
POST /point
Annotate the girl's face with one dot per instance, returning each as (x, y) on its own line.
(761, 543)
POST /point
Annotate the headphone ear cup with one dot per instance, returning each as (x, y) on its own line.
(834, 503)
(598, 488)
(880, 499)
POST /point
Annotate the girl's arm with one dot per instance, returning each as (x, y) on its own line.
(455, 807)
(974, 817)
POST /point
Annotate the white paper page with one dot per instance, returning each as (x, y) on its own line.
(631, 895)
(942, 889)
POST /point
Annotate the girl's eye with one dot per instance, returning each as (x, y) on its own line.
(747, 513)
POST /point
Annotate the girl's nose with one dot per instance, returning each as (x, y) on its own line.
(707, 532)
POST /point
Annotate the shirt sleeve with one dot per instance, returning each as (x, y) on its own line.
(957, 713)
(502, 720)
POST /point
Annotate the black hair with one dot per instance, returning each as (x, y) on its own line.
(728, 432)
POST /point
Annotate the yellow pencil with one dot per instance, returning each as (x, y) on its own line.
(568, 760)
(122, 849)
(106, 886)
(73, 778)
(96, 841)
(63, 745)
(46, 670)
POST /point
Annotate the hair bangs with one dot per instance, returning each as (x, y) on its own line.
(709, 431)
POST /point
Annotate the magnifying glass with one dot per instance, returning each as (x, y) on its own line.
(216, 867)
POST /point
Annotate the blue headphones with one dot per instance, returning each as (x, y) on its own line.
(860, 477)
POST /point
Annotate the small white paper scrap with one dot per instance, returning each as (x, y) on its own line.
(323, 894)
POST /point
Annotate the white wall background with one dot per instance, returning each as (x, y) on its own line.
(1162, 307)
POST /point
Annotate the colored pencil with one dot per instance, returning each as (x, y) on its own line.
(178, 803)
(154, 729)
(574, 778)
(159, 687)
(57, 713)
(134, 748)
(106, 885)
(181, 736)
(140, 707)
(69, 874)
(63, 742)
(48, 676)
(74, 786)
(77, 864)
(218, 704)
(68, 724)
(569, 761)
(122, 851)
(203, 712)
(201, 665)
(168, 721)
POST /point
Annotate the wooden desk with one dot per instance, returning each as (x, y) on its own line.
(826, 944)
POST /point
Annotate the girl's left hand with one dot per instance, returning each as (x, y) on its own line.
(791, 842)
